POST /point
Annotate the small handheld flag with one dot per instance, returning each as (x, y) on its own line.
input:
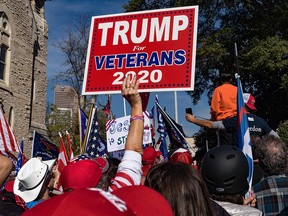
(95, 146)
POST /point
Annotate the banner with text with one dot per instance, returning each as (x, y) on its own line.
(117, 131)
(158, 46)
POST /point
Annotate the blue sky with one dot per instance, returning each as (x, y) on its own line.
(60, 14)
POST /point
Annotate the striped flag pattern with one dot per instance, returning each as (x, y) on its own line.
(95, 146)
(62, 157)
(8, 141)
(20, 158)
(70, 145)
(243, 130)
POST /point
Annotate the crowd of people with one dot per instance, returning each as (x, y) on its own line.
(146, 183)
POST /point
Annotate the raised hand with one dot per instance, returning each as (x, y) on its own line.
(130, 91)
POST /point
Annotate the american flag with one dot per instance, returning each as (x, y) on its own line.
(20, 158)
(244, 142)
(84, 156)
(162, 131)
(95, 146)
(8, 141)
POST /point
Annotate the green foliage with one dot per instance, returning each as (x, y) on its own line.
(205, 136)
(260, 30)
(266, 54)
(62, 121)
(283, 131)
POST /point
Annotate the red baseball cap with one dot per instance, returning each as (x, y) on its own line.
(145, 169)
(182, 155)
(103, 163)
(80, 174)
(88, 202)
(150, 155)
(144, 201)
(249, 101)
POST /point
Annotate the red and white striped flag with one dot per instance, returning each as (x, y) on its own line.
(8, 141)
(70, 145)
(62, 157)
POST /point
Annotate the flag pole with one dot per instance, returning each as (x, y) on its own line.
(236, 58)
(110, 111)
(176, 106)
(88, 126)
(124, 105)
(80, 130)
(33, 144)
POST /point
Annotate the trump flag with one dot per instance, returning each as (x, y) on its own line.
(42, 147)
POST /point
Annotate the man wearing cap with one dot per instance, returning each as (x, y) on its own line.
(257, 125)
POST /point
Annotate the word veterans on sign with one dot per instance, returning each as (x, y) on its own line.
(158, 46)
(142, 59)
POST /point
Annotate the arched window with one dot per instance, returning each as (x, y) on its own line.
(5, 32)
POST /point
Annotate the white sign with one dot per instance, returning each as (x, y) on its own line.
(117, 131)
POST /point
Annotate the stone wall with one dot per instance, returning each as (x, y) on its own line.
(23, 91)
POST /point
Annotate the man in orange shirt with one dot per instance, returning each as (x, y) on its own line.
(224, 105)
(224, 99)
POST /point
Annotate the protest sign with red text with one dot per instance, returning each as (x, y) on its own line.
(158, 46)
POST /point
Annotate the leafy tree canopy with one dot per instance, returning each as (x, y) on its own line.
(259, 29)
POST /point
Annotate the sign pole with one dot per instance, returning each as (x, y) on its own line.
(176, 106)
(124, 106)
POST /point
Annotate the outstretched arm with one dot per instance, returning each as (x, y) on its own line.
(130, 169)
(135, 135)
(202, 123)
(5, 168)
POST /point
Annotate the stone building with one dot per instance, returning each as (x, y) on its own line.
(23, 60)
